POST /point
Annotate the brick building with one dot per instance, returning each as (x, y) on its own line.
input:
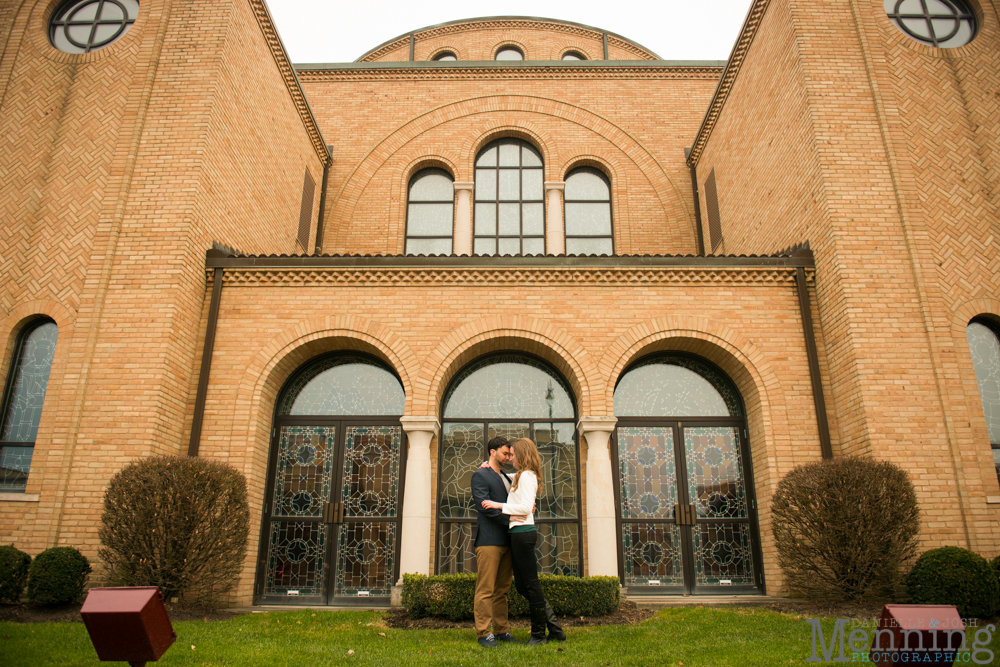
(682, 279)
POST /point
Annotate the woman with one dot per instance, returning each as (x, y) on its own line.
(524, 537)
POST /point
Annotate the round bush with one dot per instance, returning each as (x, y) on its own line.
(845, 527)
(179, 523)
(955, 577)
(57, 576)
(14, 565)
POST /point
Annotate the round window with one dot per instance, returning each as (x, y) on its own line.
(81, 26)
(941, 23)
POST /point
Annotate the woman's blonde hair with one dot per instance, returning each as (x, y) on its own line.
(527, 459)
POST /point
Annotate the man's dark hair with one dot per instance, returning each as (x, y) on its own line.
(497, 443)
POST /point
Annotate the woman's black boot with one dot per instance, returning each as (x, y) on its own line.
(555, 630)
(537, 624)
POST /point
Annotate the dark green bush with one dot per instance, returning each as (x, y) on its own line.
(955, 577)
(179, 523)
(845, 527)
(995, 564)
(451, 595)
(57, 576)
(14, 565)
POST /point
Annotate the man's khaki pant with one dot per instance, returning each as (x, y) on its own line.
(492, 584)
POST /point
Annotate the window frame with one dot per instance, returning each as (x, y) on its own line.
(611, 209)
(520, 201)
(964, 12)
(993, 327)
(446, 56)
(59, 21)
(509, 47)
(14, 368)
(406, 228)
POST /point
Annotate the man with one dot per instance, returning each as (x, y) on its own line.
(492, 545)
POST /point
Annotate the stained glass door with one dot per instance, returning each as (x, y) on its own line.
(332, 513)
(687, 523)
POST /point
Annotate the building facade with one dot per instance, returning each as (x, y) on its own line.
(681, 279)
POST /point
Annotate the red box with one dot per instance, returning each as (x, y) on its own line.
(128, 624)
(937, 624)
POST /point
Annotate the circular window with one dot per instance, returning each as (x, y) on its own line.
(509, 53)
(81, 26)
(447, 55)
(941, 23)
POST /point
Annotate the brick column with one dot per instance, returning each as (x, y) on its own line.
(555, 230)
(463, 219)
(602, 547)
(415, 533)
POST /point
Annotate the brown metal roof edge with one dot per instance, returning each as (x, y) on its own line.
(799, 256)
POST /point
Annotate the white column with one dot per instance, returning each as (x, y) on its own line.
(602, 545)
(462, 244)
(555, 232)
(415, 534)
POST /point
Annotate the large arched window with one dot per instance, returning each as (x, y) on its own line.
(23, 399)
(514, 396)
(332, 504)
(685, 492)
(984, 344)
(510, 213)
(430, 209)
(588, 213)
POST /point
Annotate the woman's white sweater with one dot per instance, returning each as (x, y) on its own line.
(521, 500)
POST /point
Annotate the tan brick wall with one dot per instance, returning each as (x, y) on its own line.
(436, 117)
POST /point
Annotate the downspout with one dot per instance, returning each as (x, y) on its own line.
(805, 309)
(206, 356)
(322, 201)
(697, 204)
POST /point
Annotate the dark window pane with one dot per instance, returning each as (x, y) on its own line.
(31, 379)
(15, 464)
(985, 349)
(588, 219)
(557, 449)
(430, 220)
(508, 387)
(344, 385)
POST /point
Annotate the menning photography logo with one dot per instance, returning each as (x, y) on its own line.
(942, 641)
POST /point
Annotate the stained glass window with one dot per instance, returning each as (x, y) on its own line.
(24, 398)
(588, 213)
(675, 385)
(508, 387)
(81, 26)
(984, 344)
(510, 211)
(344, 385)
(430, 212)
(941, 23)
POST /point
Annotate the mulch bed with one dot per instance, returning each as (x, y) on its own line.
(70, 613)
(626, 614)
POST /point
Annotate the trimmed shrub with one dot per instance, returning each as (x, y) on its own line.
(57, 576)
(451, 595)
(178, 523)
(995, 564)
(955, 577)
(14, 565)
(845, 527)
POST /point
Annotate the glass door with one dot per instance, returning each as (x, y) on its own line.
(686, 521)
(332, 513)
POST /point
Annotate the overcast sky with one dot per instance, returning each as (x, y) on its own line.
(324, 31)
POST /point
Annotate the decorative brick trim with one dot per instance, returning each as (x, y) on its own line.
(387, 48)
(630, 47)
(508, 276)
(736, 58)
(292, 83)
(508, 72)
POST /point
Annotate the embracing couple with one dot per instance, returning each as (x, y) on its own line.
(505, 543)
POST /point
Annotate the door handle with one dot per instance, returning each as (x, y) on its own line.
(328, 512)
(340, 515)
(685, 515)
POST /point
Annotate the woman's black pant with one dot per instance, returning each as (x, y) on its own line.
(522, 551)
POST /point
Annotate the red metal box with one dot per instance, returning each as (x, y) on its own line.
(905, 628)
(128, 624)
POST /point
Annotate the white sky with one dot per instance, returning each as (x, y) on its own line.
(318, 31)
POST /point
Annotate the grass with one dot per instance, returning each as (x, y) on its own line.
(698, 636)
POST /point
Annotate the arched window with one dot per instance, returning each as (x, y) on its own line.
(984, 344)
(509, 53)
(510, 212)
(23, 399)
(430, 213)
(332, 503)
(686, 508)
(588, 213)
(445, 56)
(514, 396)
(573, 55)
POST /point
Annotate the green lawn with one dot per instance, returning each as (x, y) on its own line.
(691, 636)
